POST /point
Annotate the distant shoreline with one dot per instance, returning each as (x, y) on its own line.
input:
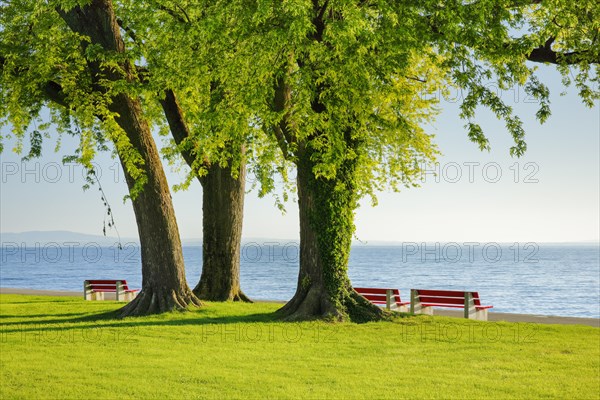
(58, 237)
(493, 316)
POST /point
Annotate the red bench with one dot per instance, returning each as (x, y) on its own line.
(95, 289)
(379, 296)
(422, 301)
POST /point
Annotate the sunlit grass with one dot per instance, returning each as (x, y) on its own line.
(69, 348)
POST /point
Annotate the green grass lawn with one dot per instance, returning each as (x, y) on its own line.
(69, 348)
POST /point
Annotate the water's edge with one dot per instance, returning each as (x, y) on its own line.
(558, 280)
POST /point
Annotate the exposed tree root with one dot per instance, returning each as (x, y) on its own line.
(361, 310)
(240, 296)
(315, 303)
(156, 301)
(203, 293)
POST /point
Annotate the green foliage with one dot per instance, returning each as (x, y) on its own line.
(185, 47)
(572, 29)
(350, 85)
(348, 88)
(36, 146)
(376, 68)
(42, 66)
(379, 69)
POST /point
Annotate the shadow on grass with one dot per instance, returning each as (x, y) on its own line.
(41, 319)
(110, 319)
(9, 316)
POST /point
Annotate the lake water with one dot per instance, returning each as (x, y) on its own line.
(520, 278)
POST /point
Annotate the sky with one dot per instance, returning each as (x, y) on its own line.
(551, 194)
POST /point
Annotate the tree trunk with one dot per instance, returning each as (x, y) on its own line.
(222, 215)
(326, 209)
(164, 286)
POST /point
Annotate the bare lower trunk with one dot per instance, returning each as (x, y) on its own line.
(164, 286)
(222, 215)
(326, 226)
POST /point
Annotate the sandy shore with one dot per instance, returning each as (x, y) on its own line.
(35, 292)
(492, 316)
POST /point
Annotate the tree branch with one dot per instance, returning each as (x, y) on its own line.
(52, 90)
(281, 102)
(414, 78)
(172, 13)
(187, 17)
(54, 93)
(130, 32)
(179, 129)
(177, 125)
(545, 54)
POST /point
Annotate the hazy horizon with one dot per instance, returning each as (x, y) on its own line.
(93, 236)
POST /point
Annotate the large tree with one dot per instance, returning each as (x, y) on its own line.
(73, 60)
(180, 46)
(351, 85)
(223, 191)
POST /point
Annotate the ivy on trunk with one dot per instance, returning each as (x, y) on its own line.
(326, 208)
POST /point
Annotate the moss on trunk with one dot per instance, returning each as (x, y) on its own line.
(326, 228)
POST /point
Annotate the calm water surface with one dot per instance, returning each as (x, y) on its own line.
(523, 278)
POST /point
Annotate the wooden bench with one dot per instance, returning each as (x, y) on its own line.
(422, 301)
(379, 296)
(95, 289)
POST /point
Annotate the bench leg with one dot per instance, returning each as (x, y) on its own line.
(469, 306)
(481, 315)
(388, 299)
(403, 308)
(86, 291)
(97, 296)
(415, 304)
(426, 311)
(119, 292)
(414, 307)
(128, 296)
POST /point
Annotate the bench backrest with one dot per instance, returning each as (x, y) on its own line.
(106, 284)
(379, 295)
(451, 297)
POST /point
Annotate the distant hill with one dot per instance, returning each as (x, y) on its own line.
(32, 238)
(44, 237)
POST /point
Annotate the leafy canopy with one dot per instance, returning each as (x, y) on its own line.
(323, 74)
(276, 77)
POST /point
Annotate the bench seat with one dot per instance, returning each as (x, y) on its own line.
(422, 301)
(384, 296)
(450, 305)
(94, 289)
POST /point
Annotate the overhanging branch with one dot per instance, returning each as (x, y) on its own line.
(281, 104)
(177, 125)
(130, 32)
(51, 89)
(545, 54)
